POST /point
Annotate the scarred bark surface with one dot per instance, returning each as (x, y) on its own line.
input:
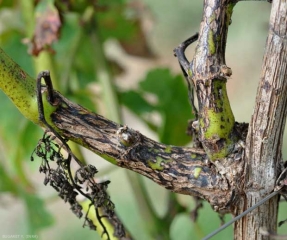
(214, 172)
(264, 141)
(209, 75)
(179, 169)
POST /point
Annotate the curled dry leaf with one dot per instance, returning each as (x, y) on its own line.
(47, 29)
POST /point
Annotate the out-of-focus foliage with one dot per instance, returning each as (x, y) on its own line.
(159, 100)
(47, 27)
(171, 102)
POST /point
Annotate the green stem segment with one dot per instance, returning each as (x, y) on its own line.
(216, 121)
(19, 87)
(209, 74)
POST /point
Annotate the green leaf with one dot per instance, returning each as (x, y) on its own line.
(19, 136)
(38, 216)
(7, 3)
(11, 44)
(84, 98)
(6, 182)
(84, 63)
(67, 50)
(136, 102)
(172, 104)
(9, 129)
(115, 23)
(139, 106)
(74, 54)
(28, 138)
(182, 228)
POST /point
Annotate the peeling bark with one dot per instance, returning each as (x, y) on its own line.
(265, 135)
(209, 75)
(214, 172)
(180, 169)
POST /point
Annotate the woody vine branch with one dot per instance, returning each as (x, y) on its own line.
(186, 170)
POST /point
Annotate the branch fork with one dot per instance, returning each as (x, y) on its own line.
(185, 170)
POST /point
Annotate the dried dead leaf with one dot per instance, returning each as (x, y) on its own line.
(47, 29)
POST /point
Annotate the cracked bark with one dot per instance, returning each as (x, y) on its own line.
(209, 74)
(189, 170)
(264, 142)
(180, 169)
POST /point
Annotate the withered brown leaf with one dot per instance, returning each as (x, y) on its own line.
(47, 29)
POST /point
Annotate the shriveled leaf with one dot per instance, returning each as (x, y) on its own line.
(47, 28)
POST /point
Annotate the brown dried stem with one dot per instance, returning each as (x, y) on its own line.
(264, 142)
(179, 169)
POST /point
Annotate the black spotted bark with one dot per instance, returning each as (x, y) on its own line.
(209, 74)
(224, 167)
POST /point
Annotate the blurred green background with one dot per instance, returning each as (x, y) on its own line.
(129, 44)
